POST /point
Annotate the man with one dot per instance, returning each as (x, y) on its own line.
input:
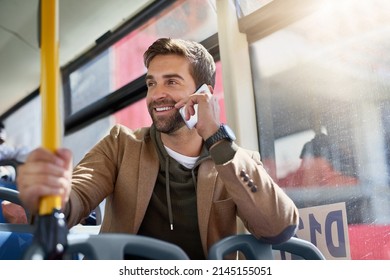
(18, 154)
(10, 157)
(181, 185)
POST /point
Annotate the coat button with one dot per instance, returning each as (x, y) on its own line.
(244, 175)
(254, 188)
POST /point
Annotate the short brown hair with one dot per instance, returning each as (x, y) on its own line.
(201, 61)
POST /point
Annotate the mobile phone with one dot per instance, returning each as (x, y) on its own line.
(194, 118)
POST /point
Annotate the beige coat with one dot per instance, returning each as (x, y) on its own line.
(123, 168)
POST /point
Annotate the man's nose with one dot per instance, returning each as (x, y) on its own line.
(159, 91)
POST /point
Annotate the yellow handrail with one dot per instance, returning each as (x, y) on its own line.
(49, 89)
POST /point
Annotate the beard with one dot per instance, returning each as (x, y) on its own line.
(166, 124)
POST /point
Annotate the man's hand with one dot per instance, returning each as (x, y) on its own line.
(44, 173)
(208, 112)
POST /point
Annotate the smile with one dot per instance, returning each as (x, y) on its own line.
(162, 109)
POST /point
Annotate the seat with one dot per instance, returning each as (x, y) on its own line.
(8, 192)
(116, 246)
(256, 249)
(300, 248)
(14, 238)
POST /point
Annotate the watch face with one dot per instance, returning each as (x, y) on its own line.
(224, 132)
(229, 132)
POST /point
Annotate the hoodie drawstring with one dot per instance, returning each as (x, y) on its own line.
(168, 188)
(168, 192)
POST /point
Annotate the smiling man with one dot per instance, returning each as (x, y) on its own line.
(185, 186)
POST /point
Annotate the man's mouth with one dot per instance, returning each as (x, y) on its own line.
(163, 109)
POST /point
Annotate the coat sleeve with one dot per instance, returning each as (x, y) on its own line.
(93, 178)
(265, 209)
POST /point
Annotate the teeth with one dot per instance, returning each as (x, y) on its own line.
(163, 109)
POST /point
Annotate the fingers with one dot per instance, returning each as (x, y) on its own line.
(67, 156)
(203, 97)
(44, 173)
(208, 111)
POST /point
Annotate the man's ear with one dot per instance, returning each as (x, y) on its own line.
(211, 89)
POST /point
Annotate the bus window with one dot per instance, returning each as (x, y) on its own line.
(122, 62)
(322, 102)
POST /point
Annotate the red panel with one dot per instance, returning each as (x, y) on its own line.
(369, 242)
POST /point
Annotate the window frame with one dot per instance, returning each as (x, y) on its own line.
(118, 99)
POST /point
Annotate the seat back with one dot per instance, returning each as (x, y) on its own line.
(15, 239)
(256, 249)
(8, 192)
(116, 246)
(247, 244)
(301, 248)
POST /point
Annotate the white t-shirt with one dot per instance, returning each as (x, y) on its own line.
(188, 162)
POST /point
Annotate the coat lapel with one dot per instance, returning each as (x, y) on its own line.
(207, 176)
(148, 171)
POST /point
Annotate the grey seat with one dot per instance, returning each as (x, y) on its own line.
(8, 192)
(255, 249)
(16, 242)
(115, 246)
(301, 248)
(14, 238)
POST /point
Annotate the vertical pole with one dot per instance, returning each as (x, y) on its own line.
(50, 239)
(49, 89)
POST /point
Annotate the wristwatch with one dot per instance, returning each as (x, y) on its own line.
(224, 132)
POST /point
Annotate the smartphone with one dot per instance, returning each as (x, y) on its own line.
(194, 118)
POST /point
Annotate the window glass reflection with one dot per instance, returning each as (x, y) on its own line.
(323, 105)
(123, 62)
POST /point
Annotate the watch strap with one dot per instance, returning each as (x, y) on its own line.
(217, 136)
